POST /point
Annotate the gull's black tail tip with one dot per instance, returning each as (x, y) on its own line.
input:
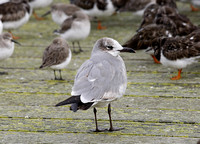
(71, 100)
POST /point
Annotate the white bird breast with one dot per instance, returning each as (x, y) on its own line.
(79, 31)
(179, 63)
(6, 52)
(16, 24)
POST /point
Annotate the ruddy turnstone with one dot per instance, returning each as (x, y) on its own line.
(75, 28)
(14, 14)
(170, 3)
(178, 52)
(35, 4)
(137, 6)
(57, 56)
(143, 38)
(99, 8)
(60, 12)
(100, 80)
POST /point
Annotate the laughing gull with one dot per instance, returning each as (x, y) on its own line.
(60, 12)
(14, 14)
(75, 28)
(35, 4)
(100, 80)
(6, 46)
(57, 56)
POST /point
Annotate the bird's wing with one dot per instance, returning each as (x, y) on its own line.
(9, 8)
(54, 56)
(178, 49)
(84, 4)
(93, 80)
(66, 25)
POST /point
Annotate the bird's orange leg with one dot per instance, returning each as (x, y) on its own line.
(155, 59)
(100, 27)
(178, 76)
(193, 8)
(14, 37)
(37, 17)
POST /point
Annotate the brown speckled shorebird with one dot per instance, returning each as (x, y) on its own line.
(57, 56)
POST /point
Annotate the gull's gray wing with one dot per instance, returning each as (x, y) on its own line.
(93, 80)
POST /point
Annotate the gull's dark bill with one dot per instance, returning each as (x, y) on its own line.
(126, 49)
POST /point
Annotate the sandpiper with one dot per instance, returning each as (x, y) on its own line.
(75, 28)
(57, 56)
(100, 80)
(60, 12)
(14, 14)
(6, 46)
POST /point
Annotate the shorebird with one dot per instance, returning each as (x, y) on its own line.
(60, 12)
(6, 46)
(178, 52)
(136, 6)
(35, 4)
(143, 38)
(14, 14)
(100, 80)
(170, 3)
(75, 28)
(57, 56)
(99, 8)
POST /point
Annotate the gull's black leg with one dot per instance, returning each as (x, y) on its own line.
(110, 119)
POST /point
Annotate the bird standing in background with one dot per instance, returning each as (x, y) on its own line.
(178, 52)
(57, 56)
(100, 80)
(136, 6)
(75, 29)
(99, 8)
(6, 46)
(60, 12)
(14, 14)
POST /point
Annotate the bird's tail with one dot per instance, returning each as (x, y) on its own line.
(76, 103)
(71, 100)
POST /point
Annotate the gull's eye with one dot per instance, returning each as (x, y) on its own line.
(109, 47)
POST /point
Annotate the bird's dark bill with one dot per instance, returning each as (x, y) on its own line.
(15, 42)
(126, 49)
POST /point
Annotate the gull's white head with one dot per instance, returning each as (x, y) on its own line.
(110, 46)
